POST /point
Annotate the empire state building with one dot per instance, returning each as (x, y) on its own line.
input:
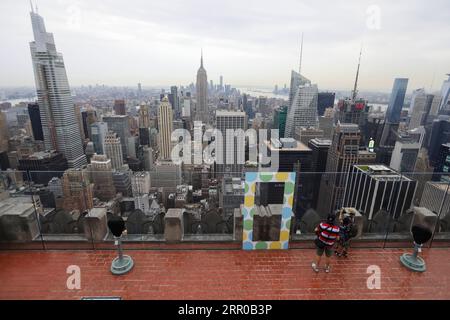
(201, 111)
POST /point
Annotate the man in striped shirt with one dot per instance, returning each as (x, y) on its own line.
(327, 234)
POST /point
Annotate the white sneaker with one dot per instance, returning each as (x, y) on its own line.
(327, 269)
(314, 267)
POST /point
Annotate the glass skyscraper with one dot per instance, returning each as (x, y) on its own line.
(396, 101)
(59, 122)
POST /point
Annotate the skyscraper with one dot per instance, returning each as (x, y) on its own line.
(406, 150)
(113, 150)
(165, 125)
(120, 125)
(377, 187)
(396, 101)
(442, 169)
(303, 98)
(102, 177)
(353, 109)
(36, 124)
(176, 101)
(320, 148)
(445, 94)
(440, 134)
(325, 100)
(119, 107)
(77, 190)
(230, 120)
(279, 120)
(303, 110)
(99, 130)
(88, 117)
(419, 108)
(201, 110)
(4, 134)
(144, 125)
(59, 122)
(342, 155)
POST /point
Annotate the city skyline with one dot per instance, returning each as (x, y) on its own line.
(155, 48)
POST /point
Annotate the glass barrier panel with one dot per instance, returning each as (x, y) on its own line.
(20, 212)
(65, 198)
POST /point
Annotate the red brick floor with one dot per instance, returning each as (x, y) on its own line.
(222, 274)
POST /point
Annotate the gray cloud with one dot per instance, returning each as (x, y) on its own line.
(248, 41)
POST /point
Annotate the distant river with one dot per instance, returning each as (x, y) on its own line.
(254, 92)
(17, 101)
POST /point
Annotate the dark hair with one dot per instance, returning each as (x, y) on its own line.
(331, 217)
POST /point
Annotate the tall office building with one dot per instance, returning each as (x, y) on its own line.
(139, 91)
(396, 100)
(176, 101)
(320, 148)
(77, 190)
(88, 117)
(325, 100)
(279, 120)
(201, 110)
(230, 120)
(406, 150)
(303, 111)
(436, 198)
(59, 122)
(99, 130)
(113, 150)
(144, 116)
(4, 133)
(293, 156)
(440, 134)
(416, 107)
(372, 188)
(120, 107)
(343, 153)
(43, 165)
(354, 110)
(165, 124)
(221, 82)
(140, 183)
(102, 177)
(120, 124)
(445, 95)
(442, 169)
(144, 125)
(36, 124)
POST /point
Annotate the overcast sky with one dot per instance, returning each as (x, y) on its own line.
(249, 42)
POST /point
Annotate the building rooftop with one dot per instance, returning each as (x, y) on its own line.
(39, 155)
(228, 113)
(286, 144)
(321, 142)
(382, 172)
(16, 206)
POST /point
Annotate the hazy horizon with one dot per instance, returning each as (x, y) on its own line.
(251, 43)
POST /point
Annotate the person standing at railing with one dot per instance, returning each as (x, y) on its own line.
(344, 237)
(327, 235)
(347, 231)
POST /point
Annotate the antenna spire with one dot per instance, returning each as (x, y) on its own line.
(355, 88)
(301, 55)
(31, 5)
(201, 57)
